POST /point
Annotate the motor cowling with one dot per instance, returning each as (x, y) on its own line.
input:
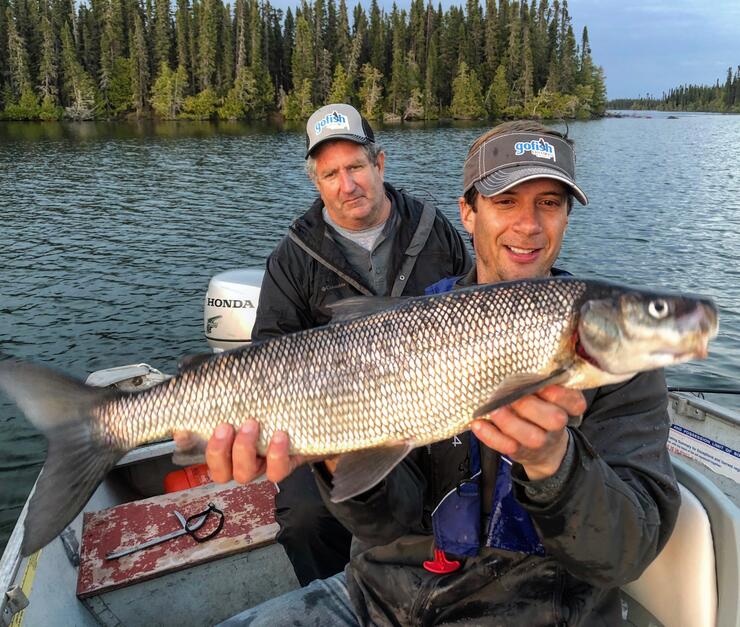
(230, 307)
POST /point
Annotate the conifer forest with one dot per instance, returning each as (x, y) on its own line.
(204, 59)
(719, 98)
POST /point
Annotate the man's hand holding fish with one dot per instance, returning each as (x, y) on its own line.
(532, 430)
(233, 454)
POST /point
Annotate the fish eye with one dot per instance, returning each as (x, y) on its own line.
(658, 309)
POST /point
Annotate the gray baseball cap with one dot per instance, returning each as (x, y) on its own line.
(337, 121)
(503, 161)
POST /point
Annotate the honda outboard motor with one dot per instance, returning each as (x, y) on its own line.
(230, 308)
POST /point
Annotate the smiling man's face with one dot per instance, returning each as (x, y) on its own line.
(517, 234)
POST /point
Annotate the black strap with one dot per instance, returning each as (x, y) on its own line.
(206, 513)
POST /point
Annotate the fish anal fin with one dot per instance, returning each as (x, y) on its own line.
(516, 386)
(359, 471)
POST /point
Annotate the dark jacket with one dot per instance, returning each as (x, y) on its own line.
(612, 516)
(307, 272)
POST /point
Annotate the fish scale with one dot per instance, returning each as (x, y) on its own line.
(383, 378)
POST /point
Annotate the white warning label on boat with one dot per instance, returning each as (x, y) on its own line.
(716, 456)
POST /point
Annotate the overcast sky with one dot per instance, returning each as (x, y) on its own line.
(646, 45)
(653, 45)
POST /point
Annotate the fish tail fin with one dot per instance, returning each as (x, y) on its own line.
(78, 458)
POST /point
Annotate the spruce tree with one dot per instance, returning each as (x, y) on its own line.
(490, 45)
(431, 98)
(79, 89)
(475, 36)
(288, 46)
(168, 91)
(139, 65)
(341, 87)
(527, 78)
(371, 93)
(497, 97)
(243, 98)
(376, 37)
(49, 71)
(598, 85)
(303, 54)
(342, 36)
(162, 33)
(323, 77)
(18, 63)
(183, 20)
(208, 43)
(467, 96)
(226, 67)
(417, 34)
(398, 88)
(514, 47)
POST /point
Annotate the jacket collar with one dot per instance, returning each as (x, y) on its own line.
(471, 278)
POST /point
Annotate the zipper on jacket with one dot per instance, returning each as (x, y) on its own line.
(422, 599)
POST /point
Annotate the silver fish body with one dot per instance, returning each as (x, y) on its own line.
(414, 372)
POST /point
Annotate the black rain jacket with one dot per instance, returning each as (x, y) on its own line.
(614, 514)
(307, 272)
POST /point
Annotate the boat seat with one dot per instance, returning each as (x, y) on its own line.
(696, 577)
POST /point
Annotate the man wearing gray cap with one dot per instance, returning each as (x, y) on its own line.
(521, 520)
(360, 237)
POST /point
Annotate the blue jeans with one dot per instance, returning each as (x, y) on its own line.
(323, 603)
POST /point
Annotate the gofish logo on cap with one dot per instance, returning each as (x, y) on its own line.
(538, 147)
(333, 120)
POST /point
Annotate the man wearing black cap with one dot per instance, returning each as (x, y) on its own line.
(522, 520)
(360, 237)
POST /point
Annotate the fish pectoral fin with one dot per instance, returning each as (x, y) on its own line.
(516, 386)
(359, 471)
(359, 306)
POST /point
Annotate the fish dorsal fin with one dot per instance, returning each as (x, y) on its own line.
(359, 471)
(516, 386)
(359, 306)
(193, 360)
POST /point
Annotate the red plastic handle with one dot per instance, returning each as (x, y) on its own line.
(440, 565)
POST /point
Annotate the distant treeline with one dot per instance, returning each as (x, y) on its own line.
(718, 98)
(112, 58)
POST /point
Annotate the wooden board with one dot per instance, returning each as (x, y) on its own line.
(249, 522)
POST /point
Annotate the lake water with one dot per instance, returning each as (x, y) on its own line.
(109, 233)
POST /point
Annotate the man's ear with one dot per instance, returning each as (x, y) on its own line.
(380, 163)
(467, 215)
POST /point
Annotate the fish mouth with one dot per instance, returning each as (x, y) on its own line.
(702, 320)
(680, 356)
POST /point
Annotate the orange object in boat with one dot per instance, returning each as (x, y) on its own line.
(187, 477)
